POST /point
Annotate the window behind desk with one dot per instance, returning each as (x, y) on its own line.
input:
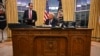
(82, 12)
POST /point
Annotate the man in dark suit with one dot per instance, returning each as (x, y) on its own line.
(3, 22)
(51, 20)
(30, 16)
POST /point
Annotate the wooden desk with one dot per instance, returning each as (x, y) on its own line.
(51, 42)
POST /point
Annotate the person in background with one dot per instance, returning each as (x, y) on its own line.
(60, 18)
(51, 20)
(30, 16)
(3, 22)
(60, 15)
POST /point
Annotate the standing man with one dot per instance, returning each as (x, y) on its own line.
(30, 16)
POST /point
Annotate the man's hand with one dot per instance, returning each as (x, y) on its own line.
(33, 21)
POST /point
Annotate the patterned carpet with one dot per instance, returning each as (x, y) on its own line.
(6, 49)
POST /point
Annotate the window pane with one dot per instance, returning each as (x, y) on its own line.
(78, 8)
(21, 8)
(78, 2)
(83, 19)
(82, 8)
(88, 1)
(78, 5)
(20, 15)
(78, 17)
(83, 23)
(88, 6)
(84, 4)
(22, 4)
(83, 15)
(87, 17)
(53, 5)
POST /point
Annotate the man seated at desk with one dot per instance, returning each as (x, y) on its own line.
(51, 20)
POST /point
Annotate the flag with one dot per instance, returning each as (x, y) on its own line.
(46, 13)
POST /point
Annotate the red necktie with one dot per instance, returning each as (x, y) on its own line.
(30, 14)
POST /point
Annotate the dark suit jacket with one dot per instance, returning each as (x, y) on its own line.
(53, 23)
(3, 22)
(34, 17)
